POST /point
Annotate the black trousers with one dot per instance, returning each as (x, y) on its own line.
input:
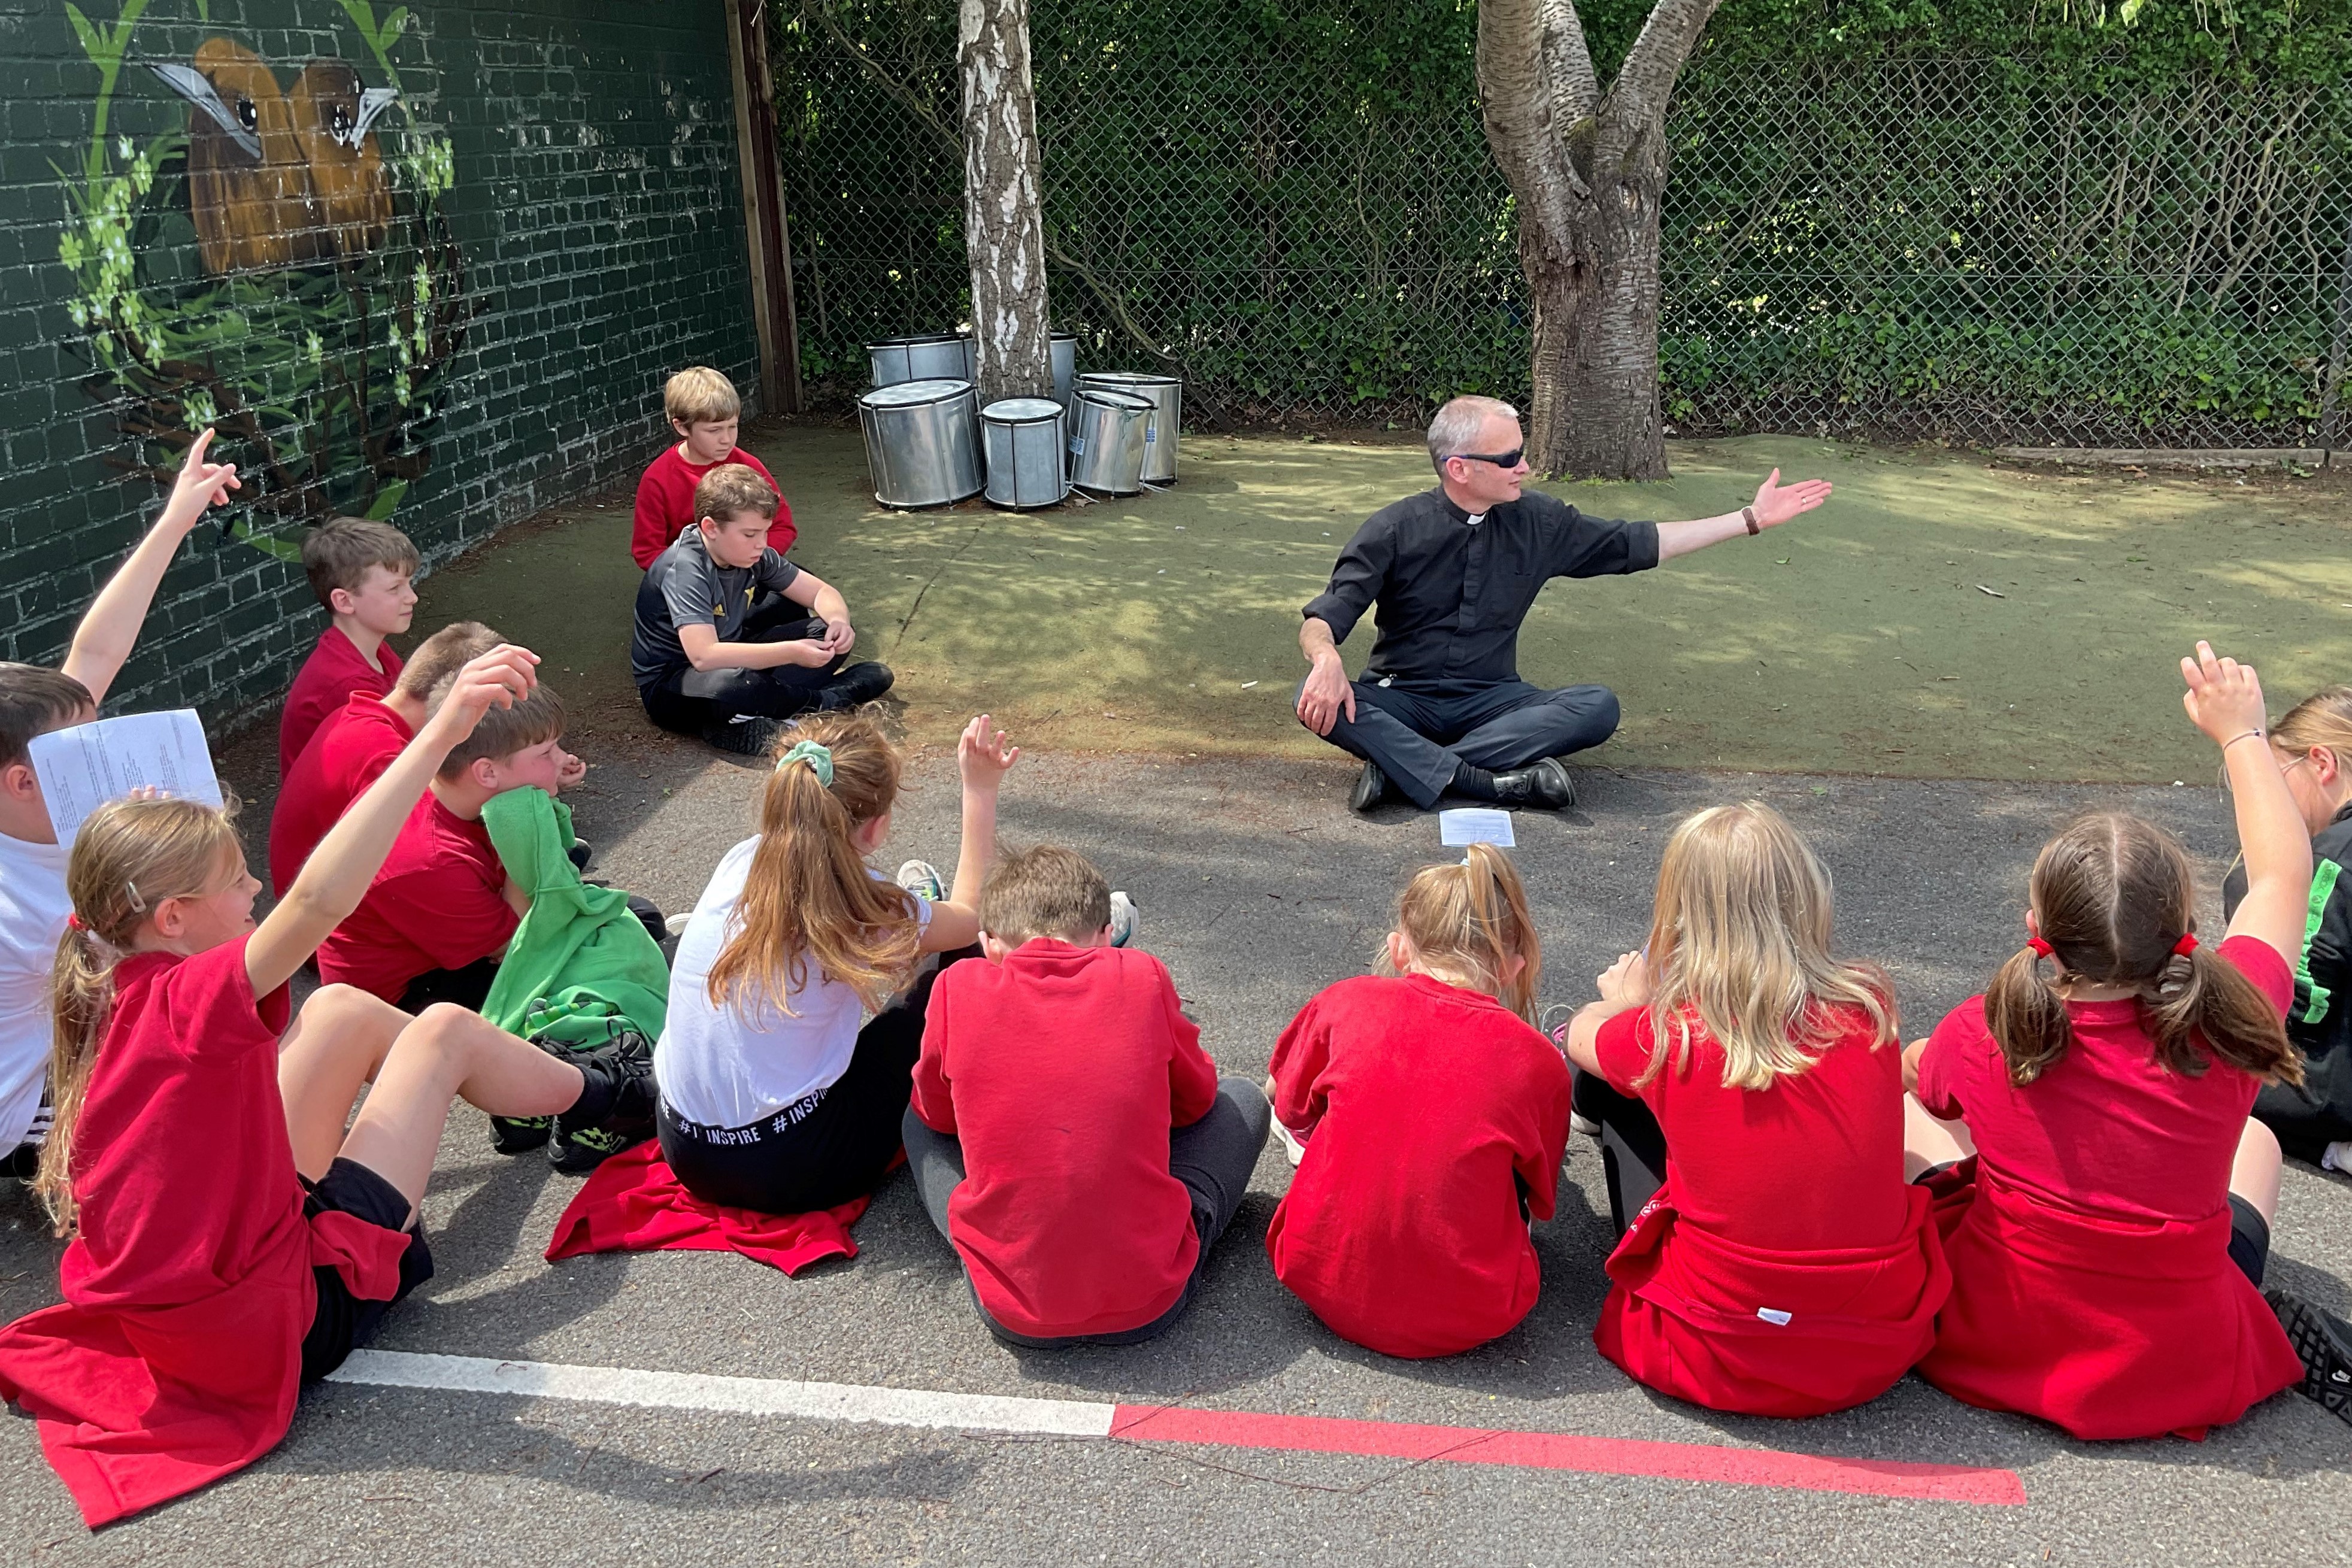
(1419, 737)
(834, 1146)
(1213, 1157)
(690, 701)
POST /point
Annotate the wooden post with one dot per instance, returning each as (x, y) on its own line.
(767, 234)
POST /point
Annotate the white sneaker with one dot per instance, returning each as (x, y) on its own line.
(2336, 1158)
(921, 878)
(1578, 1123)
(1124, 915)
(1292, 1147)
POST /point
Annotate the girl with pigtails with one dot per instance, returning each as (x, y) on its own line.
(231, 1236)
(1772, 1259)
(1431, 1117)
(798, 996)
(2107, 1200)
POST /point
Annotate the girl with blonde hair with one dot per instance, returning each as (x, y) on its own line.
(1777, 1263)
(796, 1007)
(2109, 1220)
(1433, 1116)
(231, 1238)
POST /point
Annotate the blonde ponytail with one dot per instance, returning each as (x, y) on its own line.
(128, 857)
(1466, 923)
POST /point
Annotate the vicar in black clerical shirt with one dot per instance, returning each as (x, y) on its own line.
(1452, 572)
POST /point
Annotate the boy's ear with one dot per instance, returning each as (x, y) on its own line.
(341, 602)
(483, 772)
(19, 782)
(683, 429)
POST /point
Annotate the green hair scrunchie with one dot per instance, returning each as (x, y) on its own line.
(819, 758)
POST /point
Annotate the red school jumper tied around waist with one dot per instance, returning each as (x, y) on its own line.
(632, 1203)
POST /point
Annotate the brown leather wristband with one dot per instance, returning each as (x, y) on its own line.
(1748, 515)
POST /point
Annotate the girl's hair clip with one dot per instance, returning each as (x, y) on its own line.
(138, 904)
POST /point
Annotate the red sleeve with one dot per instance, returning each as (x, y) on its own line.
(1300, 1059)
(212, 1006)
(2264, 966)
(451, 915)
(653, 529)
(781, 532)
(1538, 1159)
(1624, 1046)
(1192, 1076)
(930, 1101)
(1943, 1064)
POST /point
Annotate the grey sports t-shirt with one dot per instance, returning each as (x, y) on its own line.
(684, 586)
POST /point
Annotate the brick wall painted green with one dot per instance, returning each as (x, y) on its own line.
(596, 212)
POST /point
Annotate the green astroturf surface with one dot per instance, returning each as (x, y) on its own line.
(1856, 640)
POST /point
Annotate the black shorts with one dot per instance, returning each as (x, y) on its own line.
(344, 1322)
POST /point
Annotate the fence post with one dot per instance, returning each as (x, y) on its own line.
(768, 237)
(2334, 389)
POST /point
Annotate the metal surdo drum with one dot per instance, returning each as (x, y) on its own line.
(1109, 431)
(1065, 357)
(1022, 437)
(927, 356)
(922, 441)
(1167, 396)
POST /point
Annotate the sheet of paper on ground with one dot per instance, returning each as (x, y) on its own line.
(83, 767)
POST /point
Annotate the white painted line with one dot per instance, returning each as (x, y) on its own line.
(741, 1395)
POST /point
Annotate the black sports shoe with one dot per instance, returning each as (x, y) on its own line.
(748, 736)
(520, 1134)
(1543, 784)
(1372, 787)
(857, 685)
(2323, 1341)
(620, 1084)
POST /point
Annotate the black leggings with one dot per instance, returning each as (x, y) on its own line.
(690, 701)
(829, 1148)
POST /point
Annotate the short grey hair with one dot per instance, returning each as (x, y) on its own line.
(1453, 428)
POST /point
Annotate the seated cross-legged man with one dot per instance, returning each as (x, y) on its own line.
(1455, 571)
(701, 668)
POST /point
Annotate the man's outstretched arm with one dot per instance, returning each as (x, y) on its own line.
(1775, 504)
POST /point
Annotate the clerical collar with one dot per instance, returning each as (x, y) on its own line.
(1473, 518)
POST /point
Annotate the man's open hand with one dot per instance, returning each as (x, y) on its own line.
(1777, 503)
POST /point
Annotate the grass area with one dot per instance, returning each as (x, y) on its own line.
(1858, 640)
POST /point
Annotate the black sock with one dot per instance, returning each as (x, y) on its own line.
(1474, 782)
(598, 1091)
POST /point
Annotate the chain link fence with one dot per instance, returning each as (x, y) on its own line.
(1302, 216)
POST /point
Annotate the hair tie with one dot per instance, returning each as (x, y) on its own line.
(74, 922)
(818, 758)
(2187, 944)
(2039, 948)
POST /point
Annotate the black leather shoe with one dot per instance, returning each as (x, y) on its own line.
(1371, 788)
(855, 686)
(1543, 785)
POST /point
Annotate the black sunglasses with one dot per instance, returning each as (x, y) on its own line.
(1499, 459)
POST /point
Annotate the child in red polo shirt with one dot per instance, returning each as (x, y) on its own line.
(356, 743)
(1434, 1118)
(441, 907)
(1784, 1266)
(703, 409)
(1068, 1135)
(2109, 1236)
(359, 571)
(234, 1229)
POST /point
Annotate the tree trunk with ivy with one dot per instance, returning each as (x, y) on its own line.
(1589, 169)
(1004, 230)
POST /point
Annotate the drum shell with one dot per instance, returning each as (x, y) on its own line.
(924, 357)
(1025, 452)
(926, 453)
(1109, 436)
(1166, 394)
(1063, 353)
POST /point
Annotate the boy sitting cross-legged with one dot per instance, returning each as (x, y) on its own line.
(700, 667)
(1067, 1133)
(359, 571)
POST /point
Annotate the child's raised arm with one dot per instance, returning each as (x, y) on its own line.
(984, 759)
(336, 876)
(104, 639)
(2225, 700)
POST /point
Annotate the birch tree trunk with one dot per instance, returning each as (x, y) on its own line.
(1004, 230)
(1588, 170)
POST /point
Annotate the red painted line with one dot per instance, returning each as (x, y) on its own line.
(1568, 1451)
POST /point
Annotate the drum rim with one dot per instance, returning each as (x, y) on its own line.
(915, 339)
(955, 387)
(1052, 411)
(1133, 402)
(1130, 377)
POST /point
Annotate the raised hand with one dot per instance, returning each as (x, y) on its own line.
(1777, 503)
(982, 755)
(2224, 698)
(201, 484)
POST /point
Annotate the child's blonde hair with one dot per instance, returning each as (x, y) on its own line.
(2323, 719)
(1739, 935)
(1046, 891)
(701, 395)
(129, 857)
(1466, 922)
(809, 894)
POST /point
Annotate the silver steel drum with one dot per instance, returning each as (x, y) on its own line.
(1167, 396)
(922, 441)
(1110, 433)
(1023, 439)
(1064, 355)
(927, 356)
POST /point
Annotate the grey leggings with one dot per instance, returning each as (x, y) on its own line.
(1213, 1157)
